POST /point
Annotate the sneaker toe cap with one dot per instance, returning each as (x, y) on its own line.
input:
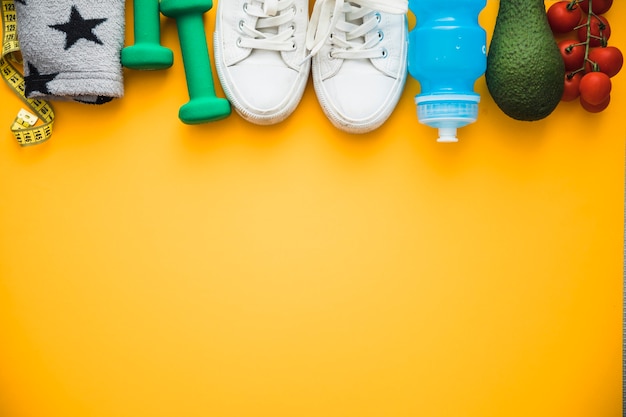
(360, 98)
(262, 90)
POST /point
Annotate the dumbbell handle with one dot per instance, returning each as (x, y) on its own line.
(195, 56)
(146, 21)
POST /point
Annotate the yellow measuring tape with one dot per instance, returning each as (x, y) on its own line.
(34, 126)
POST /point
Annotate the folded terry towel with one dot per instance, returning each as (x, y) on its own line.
(71, 48)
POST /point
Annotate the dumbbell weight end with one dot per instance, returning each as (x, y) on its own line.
(147, 57)
(204, 109)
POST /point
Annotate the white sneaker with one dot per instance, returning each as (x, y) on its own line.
(259, 48)
(359, 51)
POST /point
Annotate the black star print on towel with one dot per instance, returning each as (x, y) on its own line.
(94, 100)
(78, 28)
(35, 81)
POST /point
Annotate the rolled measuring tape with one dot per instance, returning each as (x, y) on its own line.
(32, 126)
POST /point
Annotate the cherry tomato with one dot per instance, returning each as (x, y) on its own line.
(600, 31)
(571, 91)
(595, 108)
(573, 53)
(597, 6)
(595, 87)
(609, 60)
(564, 16)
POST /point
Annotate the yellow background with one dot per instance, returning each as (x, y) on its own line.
(149, 268)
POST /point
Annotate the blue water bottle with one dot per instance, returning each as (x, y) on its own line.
(447, 53)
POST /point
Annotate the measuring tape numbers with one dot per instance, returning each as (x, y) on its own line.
(32, 126)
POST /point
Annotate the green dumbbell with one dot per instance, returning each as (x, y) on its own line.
(204, 105)
(147, 53)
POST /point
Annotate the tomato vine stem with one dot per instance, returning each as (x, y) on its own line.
(589, 36)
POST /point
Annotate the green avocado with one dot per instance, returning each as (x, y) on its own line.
(525, 71)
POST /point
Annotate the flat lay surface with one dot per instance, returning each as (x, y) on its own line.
(153, 268)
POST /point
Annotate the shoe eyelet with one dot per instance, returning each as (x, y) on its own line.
(245, 7)
(330, 54)
(292, 28)
(384, 54)
(241, 23)
(238, 42)
(331, 36)
(378, 17)
(381, 35)
(294, 9)
(293, 45)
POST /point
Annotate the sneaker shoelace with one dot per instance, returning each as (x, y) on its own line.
(355, 19)
(269, 32)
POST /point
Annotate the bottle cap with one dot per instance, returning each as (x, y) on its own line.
(447, 135)
(447, 112)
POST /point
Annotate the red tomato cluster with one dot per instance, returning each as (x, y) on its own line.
(582, 35)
